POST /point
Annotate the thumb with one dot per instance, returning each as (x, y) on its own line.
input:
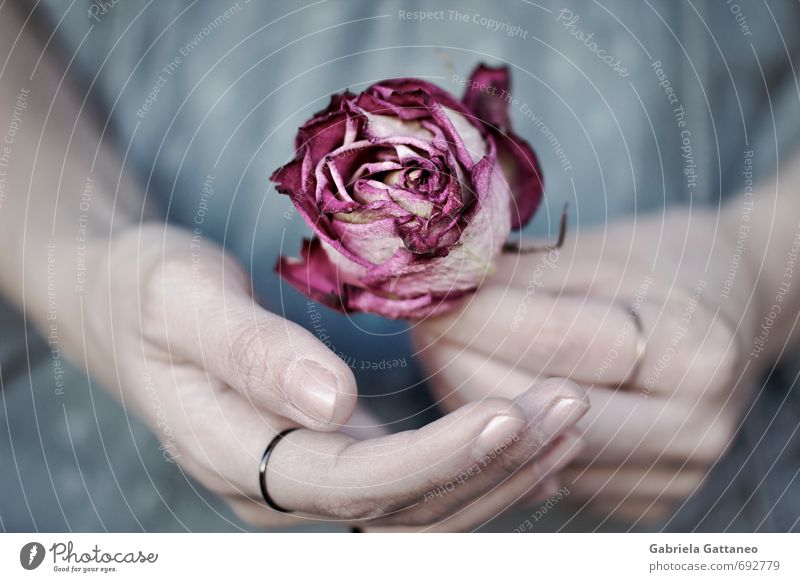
(207, 316)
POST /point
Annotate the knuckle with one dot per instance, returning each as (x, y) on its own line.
(247, 354)
(173, 271)
(164, 291)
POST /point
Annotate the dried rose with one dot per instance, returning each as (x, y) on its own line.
(410, 192)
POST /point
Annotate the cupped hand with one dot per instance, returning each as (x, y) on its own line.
(173, 329)
(647, 316)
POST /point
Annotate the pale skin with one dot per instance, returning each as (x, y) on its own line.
(652, 442)
(158, 319)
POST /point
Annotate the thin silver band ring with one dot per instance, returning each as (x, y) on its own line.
(641, 348)
(262, 470)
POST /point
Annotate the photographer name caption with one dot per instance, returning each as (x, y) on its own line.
(632, 556)
(714, 557)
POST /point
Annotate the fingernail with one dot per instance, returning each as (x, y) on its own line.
(561, 415)
(496, 434)
(313, 390)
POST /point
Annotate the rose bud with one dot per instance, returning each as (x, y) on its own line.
(411, 194)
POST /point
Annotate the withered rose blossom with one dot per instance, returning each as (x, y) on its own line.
(410, 193)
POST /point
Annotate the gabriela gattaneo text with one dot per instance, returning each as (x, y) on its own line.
(705, 549)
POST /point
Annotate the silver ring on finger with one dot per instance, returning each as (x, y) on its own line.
(640, 347)
(262, 470)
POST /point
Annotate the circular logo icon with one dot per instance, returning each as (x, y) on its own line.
(31, 555)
